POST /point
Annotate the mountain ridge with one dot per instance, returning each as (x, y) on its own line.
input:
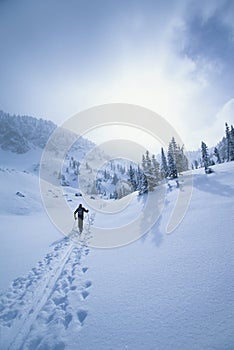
(19, 134)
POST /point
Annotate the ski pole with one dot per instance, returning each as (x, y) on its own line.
(74, 225)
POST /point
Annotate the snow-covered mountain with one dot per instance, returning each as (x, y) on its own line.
(111, 180)
(19, 134)
(22, 140)
(19, 185)
(22, 143)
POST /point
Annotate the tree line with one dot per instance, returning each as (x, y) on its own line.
(223, 152)
(152, 171)
(113, 180)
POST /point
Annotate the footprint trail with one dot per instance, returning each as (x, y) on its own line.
(52, 296)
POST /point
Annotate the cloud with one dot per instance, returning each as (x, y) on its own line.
(162, 57)
(226, 113)
(216, 131)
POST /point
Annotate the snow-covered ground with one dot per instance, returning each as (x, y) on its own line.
(164, 291)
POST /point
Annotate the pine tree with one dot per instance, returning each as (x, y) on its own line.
(147, 160)
(143, 163)
(174, 147)
(172, 166)
(227, 131)
(222, 148)
(132, 178)
(232, 143)
(142, 184)
(181, 160)
(120, 193)
(196, 164)
(115, 195)
(115, 179)
(205, 156)
(216, 153)
(149, 172)
(164, 166)
(156, 170)
(172, 170)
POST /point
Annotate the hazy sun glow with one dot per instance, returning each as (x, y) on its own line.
(176, 60)
(105, 133)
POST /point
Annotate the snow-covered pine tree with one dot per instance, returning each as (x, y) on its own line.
(205, 155)
(132, 178)
(172, 170)
(122, 170)
(143, 162)
(164, 166)
(120, 193)
(142, 184)
(156, 170)
(227, 131)
(115, 179)
(172, 166)
(232, 143)
(216, 153)
(149, 172)
(147, 160)
(174, 147)
(196, 164)
(181, 159)
(222, 148)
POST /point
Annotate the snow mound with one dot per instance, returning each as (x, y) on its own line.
(19, 192)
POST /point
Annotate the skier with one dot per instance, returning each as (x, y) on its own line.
(80, 210)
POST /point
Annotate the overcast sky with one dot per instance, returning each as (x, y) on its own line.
(174, 57)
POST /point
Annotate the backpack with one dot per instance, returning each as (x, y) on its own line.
(80, 211)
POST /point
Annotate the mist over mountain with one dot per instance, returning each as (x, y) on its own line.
(19, 134)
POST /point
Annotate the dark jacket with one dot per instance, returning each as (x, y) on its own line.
(80, 210)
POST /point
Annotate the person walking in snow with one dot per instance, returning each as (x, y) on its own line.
(80, 211)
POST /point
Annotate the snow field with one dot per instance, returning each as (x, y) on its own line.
(161, 292)
(170, 291)
(53, 293)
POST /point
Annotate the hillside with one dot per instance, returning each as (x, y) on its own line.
(166, 291)
(19, 134)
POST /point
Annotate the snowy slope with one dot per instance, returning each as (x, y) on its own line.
(161, 292)
(19, 134)
(26, 232)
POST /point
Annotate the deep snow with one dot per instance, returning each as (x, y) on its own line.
(164, 291)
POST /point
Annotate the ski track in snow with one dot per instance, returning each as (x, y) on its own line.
(52, 296)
